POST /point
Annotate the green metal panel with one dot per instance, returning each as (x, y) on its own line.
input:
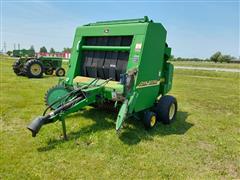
(75, 60)
(168, 52)
(168, 78)
(150, 67)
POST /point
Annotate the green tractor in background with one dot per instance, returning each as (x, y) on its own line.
(35, 67)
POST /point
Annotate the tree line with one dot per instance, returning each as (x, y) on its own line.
(44, 50)
(31, 51)
(217, 57)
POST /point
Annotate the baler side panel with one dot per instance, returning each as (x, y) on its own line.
(151, 66)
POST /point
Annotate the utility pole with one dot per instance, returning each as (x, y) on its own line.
(14, 46)
(18, 46)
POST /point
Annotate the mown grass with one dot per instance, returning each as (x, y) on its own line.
(207, 64)
(203, 142)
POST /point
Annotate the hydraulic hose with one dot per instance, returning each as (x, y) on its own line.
(70, 93)
(65, 96)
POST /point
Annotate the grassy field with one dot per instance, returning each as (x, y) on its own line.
(203, 143)
(207, 64)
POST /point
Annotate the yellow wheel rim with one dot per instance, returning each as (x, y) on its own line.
(153, 121)
(35, 69)
(172, 111)
(60, 73)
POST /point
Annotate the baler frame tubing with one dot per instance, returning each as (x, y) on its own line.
(106, 48)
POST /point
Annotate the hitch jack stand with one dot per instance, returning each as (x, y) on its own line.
(64, 128)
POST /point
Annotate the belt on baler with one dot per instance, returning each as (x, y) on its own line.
(105, 64)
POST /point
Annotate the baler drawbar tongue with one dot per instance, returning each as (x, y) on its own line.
(37, 123)
(74, 100)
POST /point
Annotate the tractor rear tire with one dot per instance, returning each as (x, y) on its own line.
(49, 71)
(149, 119)
(60, 72)
(16, 67)
(33, 69)
(166, 109)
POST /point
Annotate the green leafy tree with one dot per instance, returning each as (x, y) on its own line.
(216, 57)
(67, 50)
(9, 53)
(52, 51)
(43, 49)
(225, 58)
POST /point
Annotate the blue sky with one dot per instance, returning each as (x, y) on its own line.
(195, 29)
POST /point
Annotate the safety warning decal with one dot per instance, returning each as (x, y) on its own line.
(138, 47)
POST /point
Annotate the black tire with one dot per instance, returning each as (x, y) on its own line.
(60, 72)
(149, 119)
(166, 109)
(17, 67)
(33, 69)
(49, 71)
